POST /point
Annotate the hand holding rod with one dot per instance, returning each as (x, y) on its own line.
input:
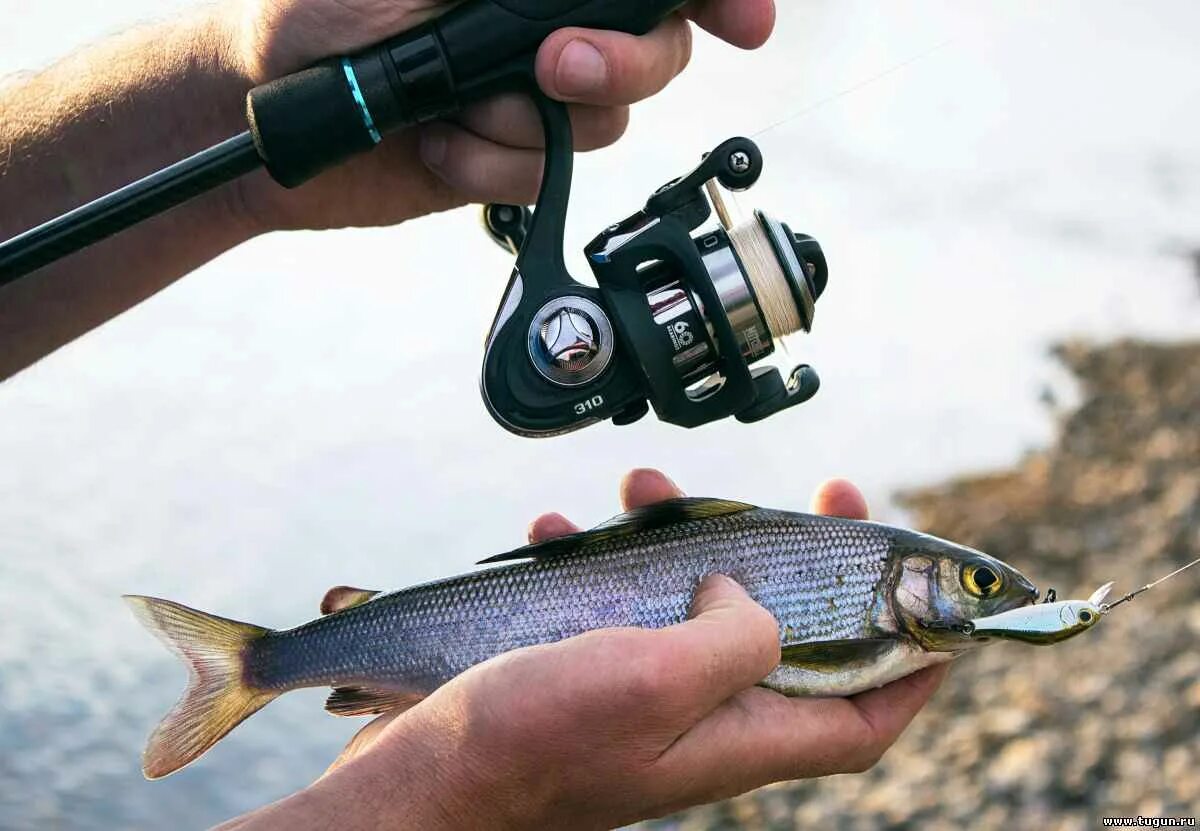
(319, 117)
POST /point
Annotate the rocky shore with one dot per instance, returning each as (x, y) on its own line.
(1104, 725)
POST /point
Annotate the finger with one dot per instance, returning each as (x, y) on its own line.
(598, 67)
(744, 23)
(645, 486)
(889, 709)
(478, 169)
(549, 526)
(728, 644)
(759, 737)
(837, 497)
(513, 120)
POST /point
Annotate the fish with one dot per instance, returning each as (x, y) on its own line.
(859, 604)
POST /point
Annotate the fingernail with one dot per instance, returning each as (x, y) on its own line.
(433, 148)
(581, 69)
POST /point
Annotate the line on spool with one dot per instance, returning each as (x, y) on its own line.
(768, 279)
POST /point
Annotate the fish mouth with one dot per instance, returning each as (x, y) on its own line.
(1030, 590)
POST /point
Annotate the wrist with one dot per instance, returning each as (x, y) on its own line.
(223, 45)
(218, 54)
(218, 32)
(237, 34)
(401, 783)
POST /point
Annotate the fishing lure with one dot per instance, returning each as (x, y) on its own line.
(1045, 623)
(1055, 621)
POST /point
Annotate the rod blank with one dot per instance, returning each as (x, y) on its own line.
(128, 206)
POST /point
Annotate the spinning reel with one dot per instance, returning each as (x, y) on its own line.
(680, 323)
(677, 322)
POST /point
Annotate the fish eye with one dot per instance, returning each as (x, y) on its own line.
(1085, 616)
(981, 580)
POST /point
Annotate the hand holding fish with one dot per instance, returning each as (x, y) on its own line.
(608, 727)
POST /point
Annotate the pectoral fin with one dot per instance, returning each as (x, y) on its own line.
(368, 701)
(832, 656)
(340, 598)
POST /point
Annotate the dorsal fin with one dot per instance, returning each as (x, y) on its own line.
(340, 598)
(658, 515)
(368, 701)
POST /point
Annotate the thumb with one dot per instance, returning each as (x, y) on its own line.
(719, 596)
(728, 644)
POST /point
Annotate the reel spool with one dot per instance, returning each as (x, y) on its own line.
(677, 323)
(767, 292)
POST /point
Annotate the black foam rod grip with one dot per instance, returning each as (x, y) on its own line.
(320, 117)
(306, 122)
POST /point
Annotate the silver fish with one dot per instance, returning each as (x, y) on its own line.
(859, 604)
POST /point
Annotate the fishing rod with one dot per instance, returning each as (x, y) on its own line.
(680, 320)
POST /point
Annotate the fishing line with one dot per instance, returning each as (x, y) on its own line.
(991, 36)
(1105, 608)
(855, 87)
(771, 289)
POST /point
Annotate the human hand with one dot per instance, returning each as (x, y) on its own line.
(617, 725)
(492, 151)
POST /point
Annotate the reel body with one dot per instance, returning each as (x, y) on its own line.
(677, 322)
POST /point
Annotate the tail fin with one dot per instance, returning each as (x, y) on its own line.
(217, 697)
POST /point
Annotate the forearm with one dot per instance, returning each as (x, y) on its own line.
(94, 122)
